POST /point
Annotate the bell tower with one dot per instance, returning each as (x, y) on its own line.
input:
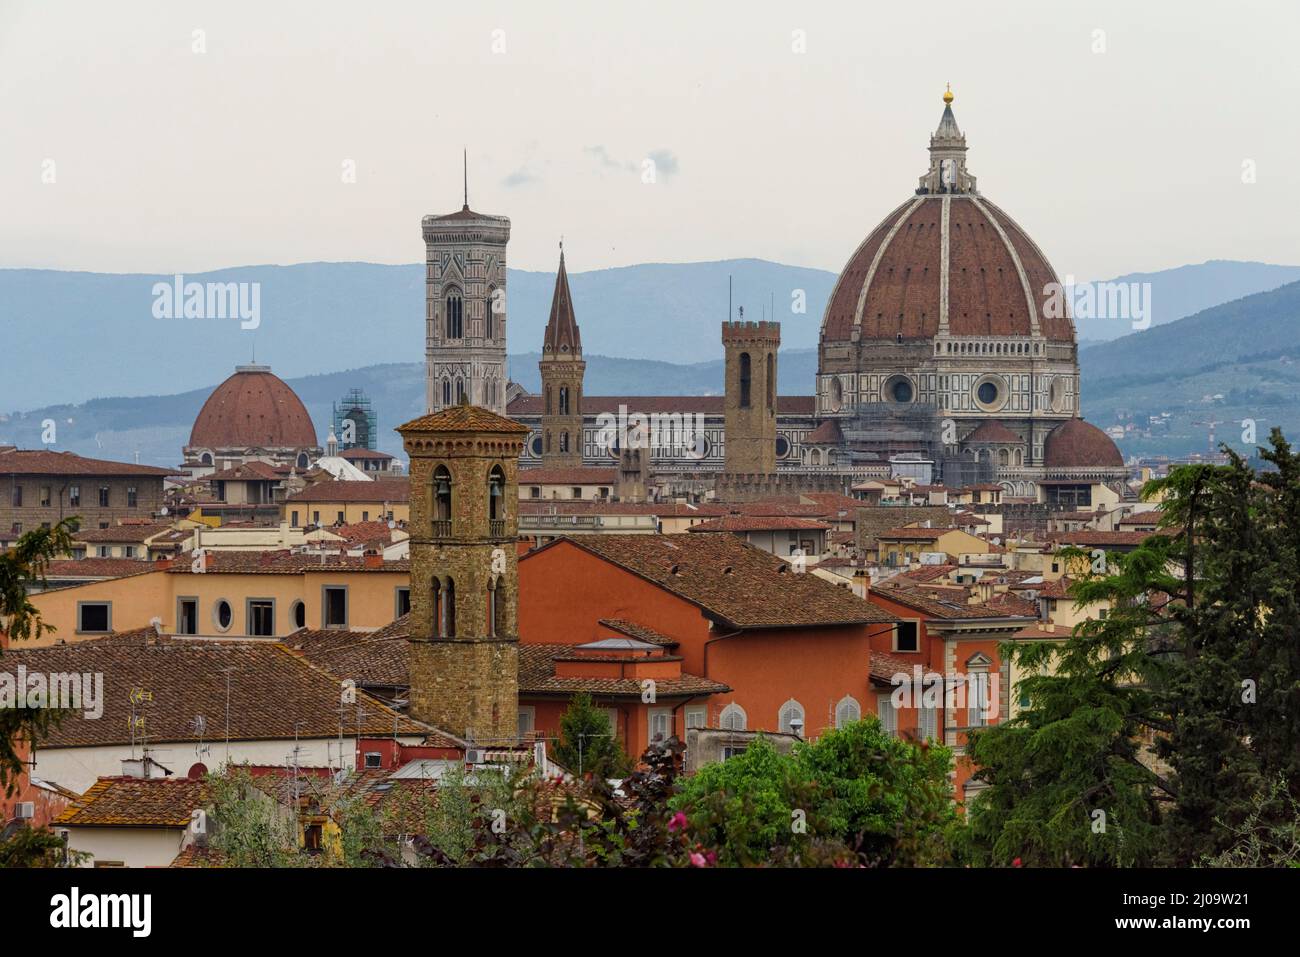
(464, 572)
(562, 369)
(465, 309)
(751, 350)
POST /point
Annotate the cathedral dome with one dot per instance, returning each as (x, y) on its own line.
(947, 261)
(253, 409)
(1076, 444)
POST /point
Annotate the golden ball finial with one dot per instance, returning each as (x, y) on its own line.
(947, 94)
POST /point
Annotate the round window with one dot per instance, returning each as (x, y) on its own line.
(700, 447)
(1056, 394)
(535, 445)
(299, 613)
(988, 393)
(782, 446)
(901, 390)
(222, 615)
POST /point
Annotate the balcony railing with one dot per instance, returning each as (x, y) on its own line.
(497, 528)
(442, 528)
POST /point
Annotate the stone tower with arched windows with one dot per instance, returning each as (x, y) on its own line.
(562, 369)
(464, 662)
(751, 349)
(465, 309)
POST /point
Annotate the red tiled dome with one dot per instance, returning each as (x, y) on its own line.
(253, 408)
(992, 432)
(994, 273)
(1076, 444)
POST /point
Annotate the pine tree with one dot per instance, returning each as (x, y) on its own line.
(588, 745)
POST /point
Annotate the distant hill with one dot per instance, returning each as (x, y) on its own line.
(1235, 361)
(61, 326)
(1246, 352)
(317, 316)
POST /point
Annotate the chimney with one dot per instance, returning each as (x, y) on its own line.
(373, 559)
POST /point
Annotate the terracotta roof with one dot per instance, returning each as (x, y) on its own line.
(638, 631)
(562, 335)
(884, 666)
(1095, 537)
(941, 609)
(597, 506)
(395, 491)
(758, 523)
(568, 476)
(272, 691)
(364, 453)
(665, 404)
(1056, 589)
(44, 462)
(1012, 604)
(925, 573)
(828, 433)
(247, 472)
(283, 562)
(891, 285)
(915, 534)
(99, 568)
(365, 533)
(464, 418)
(833, 502)
(137, 802)
(537, 676)
(196, 856)
(253, 408)
(731, 581)
(121, 533)
(992, 431)
(1043, 630)
(1078, 444)
(370, 659)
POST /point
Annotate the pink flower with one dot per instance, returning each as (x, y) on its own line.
(677, 822)
(697, 860)
(1016, 862)
(711, 857)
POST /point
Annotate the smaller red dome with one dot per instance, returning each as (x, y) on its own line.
(1076, 444)
(253, 409)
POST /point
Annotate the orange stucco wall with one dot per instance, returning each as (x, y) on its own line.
(138, 599)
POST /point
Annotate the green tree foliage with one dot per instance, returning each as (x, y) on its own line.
(35, 847)
(249, 827)
(588, 745)
(855, 795)
(21, 567)
(1155, 739)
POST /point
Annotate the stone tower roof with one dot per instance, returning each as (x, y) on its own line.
(562, 334)
(464, 418)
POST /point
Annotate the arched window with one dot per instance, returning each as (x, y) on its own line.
(771, 381)
(548, 441)
(446, 392)
(489, 320)
(303, 461)
(1004, 457)
(564, 441)
(1020, 457)
(733, 718)
(436, 595)
(496, 494)
(847, 711)
(442, 498)
(447, 619)
(495, 608)
(745, 374)
(460, 390)
(791, 712)
(564, 400)
(455, 314)
(548, 400)
(206, 458)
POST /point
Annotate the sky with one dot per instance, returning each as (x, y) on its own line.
(180, 137)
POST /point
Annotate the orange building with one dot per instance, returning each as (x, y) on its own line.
(794, 649)
(957, 640)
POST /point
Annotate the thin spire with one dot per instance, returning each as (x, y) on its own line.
(465, 167)
(562, 335)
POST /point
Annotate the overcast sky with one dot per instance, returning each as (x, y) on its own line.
(166, 159)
